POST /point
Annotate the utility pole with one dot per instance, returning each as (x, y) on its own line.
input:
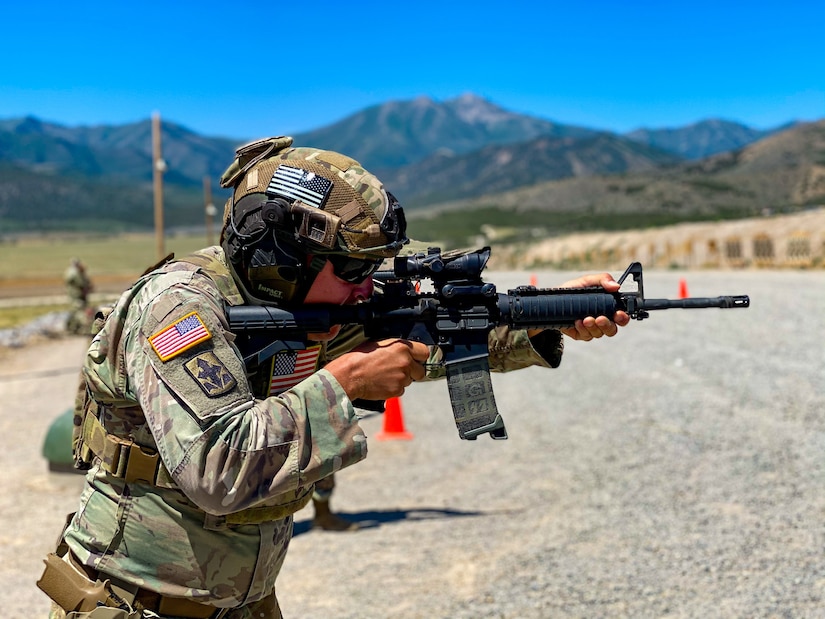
(209, 209)
(158, 168)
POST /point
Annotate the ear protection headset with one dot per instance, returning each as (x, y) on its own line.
(264, 250)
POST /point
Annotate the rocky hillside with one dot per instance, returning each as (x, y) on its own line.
(783, 173)
(500, 168)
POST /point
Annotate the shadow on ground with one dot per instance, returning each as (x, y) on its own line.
(373, 519)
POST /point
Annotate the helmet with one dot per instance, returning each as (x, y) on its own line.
(290, 203)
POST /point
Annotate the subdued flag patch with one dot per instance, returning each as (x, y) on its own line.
(301, 185)
(290, 367)
(210, 374)
(181, 335)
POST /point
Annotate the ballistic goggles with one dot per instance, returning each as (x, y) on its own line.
(352, 270)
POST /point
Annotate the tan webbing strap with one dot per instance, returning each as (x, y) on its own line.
(342, 162)
(141, 465)
(350, 211)
(123, 458)
(250, 154)
(257, 515)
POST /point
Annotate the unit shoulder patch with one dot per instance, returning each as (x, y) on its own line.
(211, 374)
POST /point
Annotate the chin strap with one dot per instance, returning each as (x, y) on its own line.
(315, 266)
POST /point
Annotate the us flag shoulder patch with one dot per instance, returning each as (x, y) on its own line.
(290, 367)
(301, 185)
(181, 335)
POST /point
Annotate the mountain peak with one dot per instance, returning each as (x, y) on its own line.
(28, 125)
(423, 101)
(701, 139)
(474, 109)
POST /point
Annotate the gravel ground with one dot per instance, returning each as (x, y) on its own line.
(673, 471)
(52, 325)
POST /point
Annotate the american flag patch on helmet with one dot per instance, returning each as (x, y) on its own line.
(299, 184)
(181, 335)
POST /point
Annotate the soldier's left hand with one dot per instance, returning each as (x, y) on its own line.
(596, 327)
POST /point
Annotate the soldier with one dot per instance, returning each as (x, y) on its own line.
(78, 288)
(198, 459)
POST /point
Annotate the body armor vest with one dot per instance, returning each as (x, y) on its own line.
(122, 457)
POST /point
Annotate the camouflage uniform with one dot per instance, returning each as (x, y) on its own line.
(78, 284)
(78, 287)
(213, 523)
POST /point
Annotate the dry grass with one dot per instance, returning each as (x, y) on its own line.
(45, 258)
(33, 267)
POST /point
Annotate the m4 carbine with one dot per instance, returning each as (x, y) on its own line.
(457, 316)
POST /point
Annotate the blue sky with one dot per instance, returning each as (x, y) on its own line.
(248, 69)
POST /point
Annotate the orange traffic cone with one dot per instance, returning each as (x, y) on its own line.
(393, 423)
(683, 291)
(534, 281)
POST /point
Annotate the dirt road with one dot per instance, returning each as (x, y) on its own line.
(37, 382)
(677, 470)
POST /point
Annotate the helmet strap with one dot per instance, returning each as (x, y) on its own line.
(315, 266)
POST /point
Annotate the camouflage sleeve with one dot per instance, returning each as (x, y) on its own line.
(225, 449)
(513, 349)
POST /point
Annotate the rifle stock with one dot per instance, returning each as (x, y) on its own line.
(457, 315)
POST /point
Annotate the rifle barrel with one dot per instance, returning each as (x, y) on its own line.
(697, 302)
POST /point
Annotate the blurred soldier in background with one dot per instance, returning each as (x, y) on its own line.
(198, 455)
(78, 288)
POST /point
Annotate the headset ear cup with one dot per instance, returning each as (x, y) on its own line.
(394, 222)
(275, 274)
(275, 212)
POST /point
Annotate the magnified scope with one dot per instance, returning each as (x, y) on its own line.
(438, 266)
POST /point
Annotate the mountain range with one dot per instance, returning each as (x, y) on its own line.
(463, 153)
(781, 173)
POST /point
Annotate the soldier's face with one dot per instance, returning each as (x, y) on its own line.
(327, 288)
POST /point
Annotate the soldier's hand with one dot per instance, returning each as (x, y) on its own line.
(380, 370)
(598, 326)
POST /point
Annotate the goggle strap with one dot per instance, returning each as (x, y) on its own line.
(317, 264)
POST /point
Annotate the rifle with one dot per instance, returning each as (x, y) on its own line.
(457, 315)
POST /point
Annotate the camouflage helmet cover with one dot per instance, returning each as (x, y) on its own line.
(289, 204)
(341, 207)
